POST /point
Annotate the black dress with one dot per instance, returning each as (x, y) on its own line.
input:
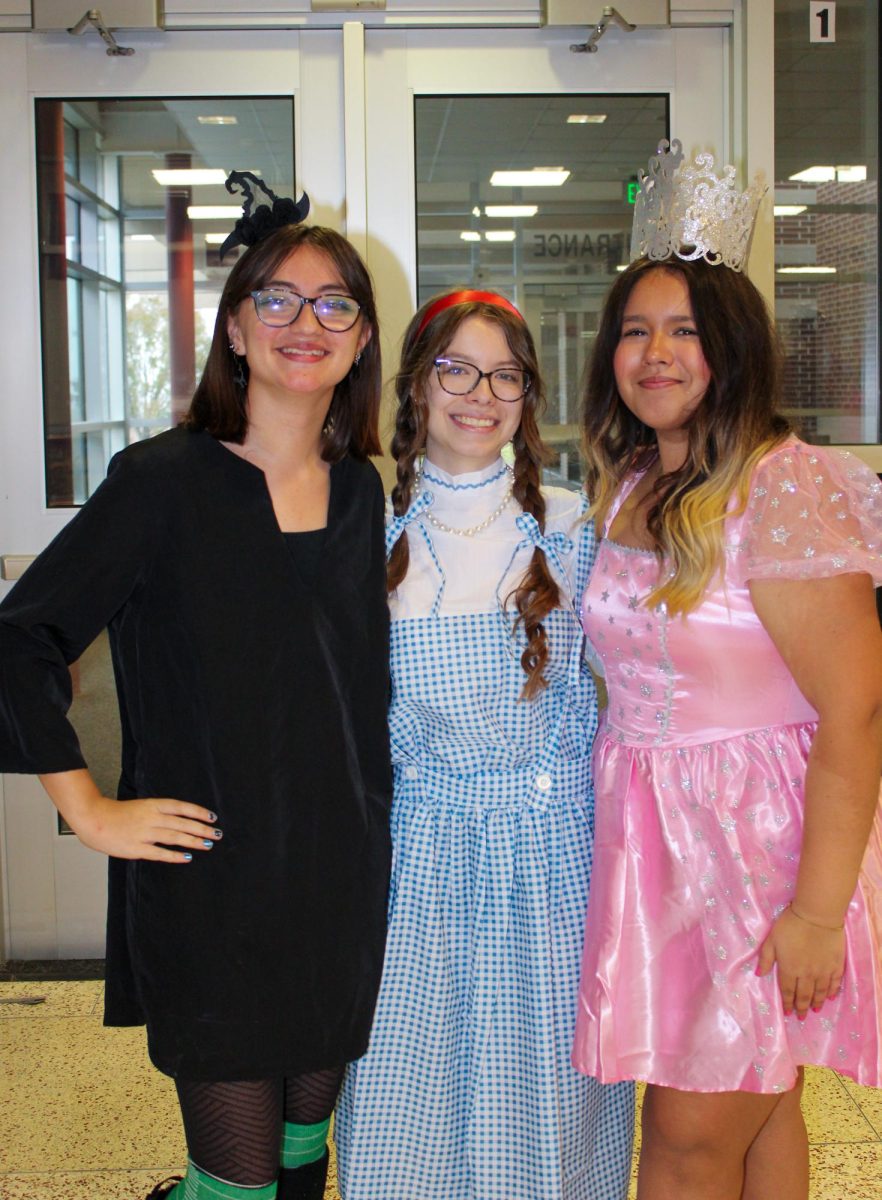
(246, 688)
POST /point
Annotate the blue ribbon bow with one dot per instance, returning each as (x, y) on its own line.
(397, 525)
(552, 544)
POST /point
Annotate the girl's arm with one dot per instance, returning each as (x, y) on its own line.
(827, 631)
(87, 575)
(130, 828)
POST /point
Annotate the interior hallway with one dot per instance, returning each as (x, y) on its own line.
(83, 1115)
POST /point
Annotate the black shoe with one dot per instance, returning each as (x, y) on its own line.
(163, 1189)
(304, 1183)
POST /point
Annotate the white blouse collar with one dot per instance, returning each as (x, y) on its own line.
(469, 481)
(466, 499)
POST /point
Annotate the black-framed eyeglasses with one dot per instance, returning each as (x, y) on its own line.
(459, 378)
(278, 306)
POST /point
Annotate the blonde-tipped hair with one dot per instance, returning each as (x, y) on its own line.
(735, 424)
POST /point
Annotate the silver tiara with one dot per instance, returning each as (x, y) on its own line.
(690, 211)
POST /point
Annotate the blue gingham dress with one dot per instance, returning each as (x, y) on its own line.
(467, 1091)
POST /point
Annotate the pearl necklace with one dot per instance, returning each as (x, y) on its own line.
(474, 529)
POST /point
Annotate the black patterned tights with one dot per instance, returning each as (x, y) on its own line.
(234, 1130)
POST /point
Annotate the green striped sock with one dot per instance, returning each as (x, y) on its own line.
(196, 1185)
(302, 1144)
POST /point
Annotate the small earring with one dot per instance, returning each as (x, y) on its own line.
(239, 377)
(357, 358)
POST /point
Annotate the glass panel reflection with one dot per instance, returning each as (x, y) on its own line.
(122, 345)
(827, 220)
(552, 242)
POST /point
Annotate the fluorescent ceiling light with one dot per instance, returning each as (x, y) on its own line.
(816, 175)
(586, 118)
(511, 210)
(499, 235)
(844, 173)
(215, 239)
(537, 177)
(469, 235)
(213, 212)
(805, 271)
(218, 120)
(476, 212)
(789, 210)
(622, 267)
(140, 237)
(187, 175)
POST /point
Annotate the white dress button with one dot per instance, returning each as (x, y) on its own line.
(543, 782)
(410, 772)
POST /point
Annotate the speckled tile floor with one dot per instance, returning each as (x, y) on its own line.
(83, 1115)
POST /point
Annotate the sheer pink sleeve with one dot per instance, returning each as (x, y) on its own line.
(811, 512)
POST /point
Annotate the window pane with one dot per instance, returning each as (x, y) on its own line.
(554, 249)
(75, 347)
(122, 348)
(827, 217)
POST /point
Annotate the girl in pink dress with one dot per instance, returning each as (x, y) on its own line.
(735, 914)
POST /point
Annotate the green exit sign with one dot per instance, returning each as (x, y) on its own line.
(633, 189)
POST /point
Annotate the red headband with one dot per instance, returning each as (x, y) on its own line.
(465, 297)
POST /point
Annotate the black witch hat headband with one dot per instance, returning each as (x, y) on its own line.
(259, 222)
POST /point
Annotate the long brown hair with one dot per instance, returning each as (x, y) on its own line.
(220, 403)
(537, 593)
(733, 426)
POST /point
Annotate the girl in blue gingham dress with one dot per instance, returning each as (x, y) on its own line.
(467, 1092)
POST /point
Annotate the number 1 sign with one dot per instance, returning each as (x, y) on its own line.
(822, 21)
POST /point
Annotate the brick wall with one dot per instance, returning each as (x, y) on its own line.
(829, 325)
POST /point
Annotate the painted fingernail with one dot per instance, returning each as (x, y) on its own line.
(218, 834)
(187, 856)
(212, 816)
(801, 1016)
(207, 844)
(817, 1007)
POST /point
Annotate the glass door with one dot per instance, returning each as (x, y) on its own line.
(120, 207)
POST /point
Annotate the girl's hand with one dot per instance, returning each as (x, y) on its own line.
(810, 958)
(144, 828)
(131, 828)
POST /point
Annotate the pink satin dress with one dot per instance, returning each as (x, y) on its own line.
(699, 774)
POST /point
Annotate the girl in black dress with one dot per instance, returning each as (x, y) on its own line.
(238, 563)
